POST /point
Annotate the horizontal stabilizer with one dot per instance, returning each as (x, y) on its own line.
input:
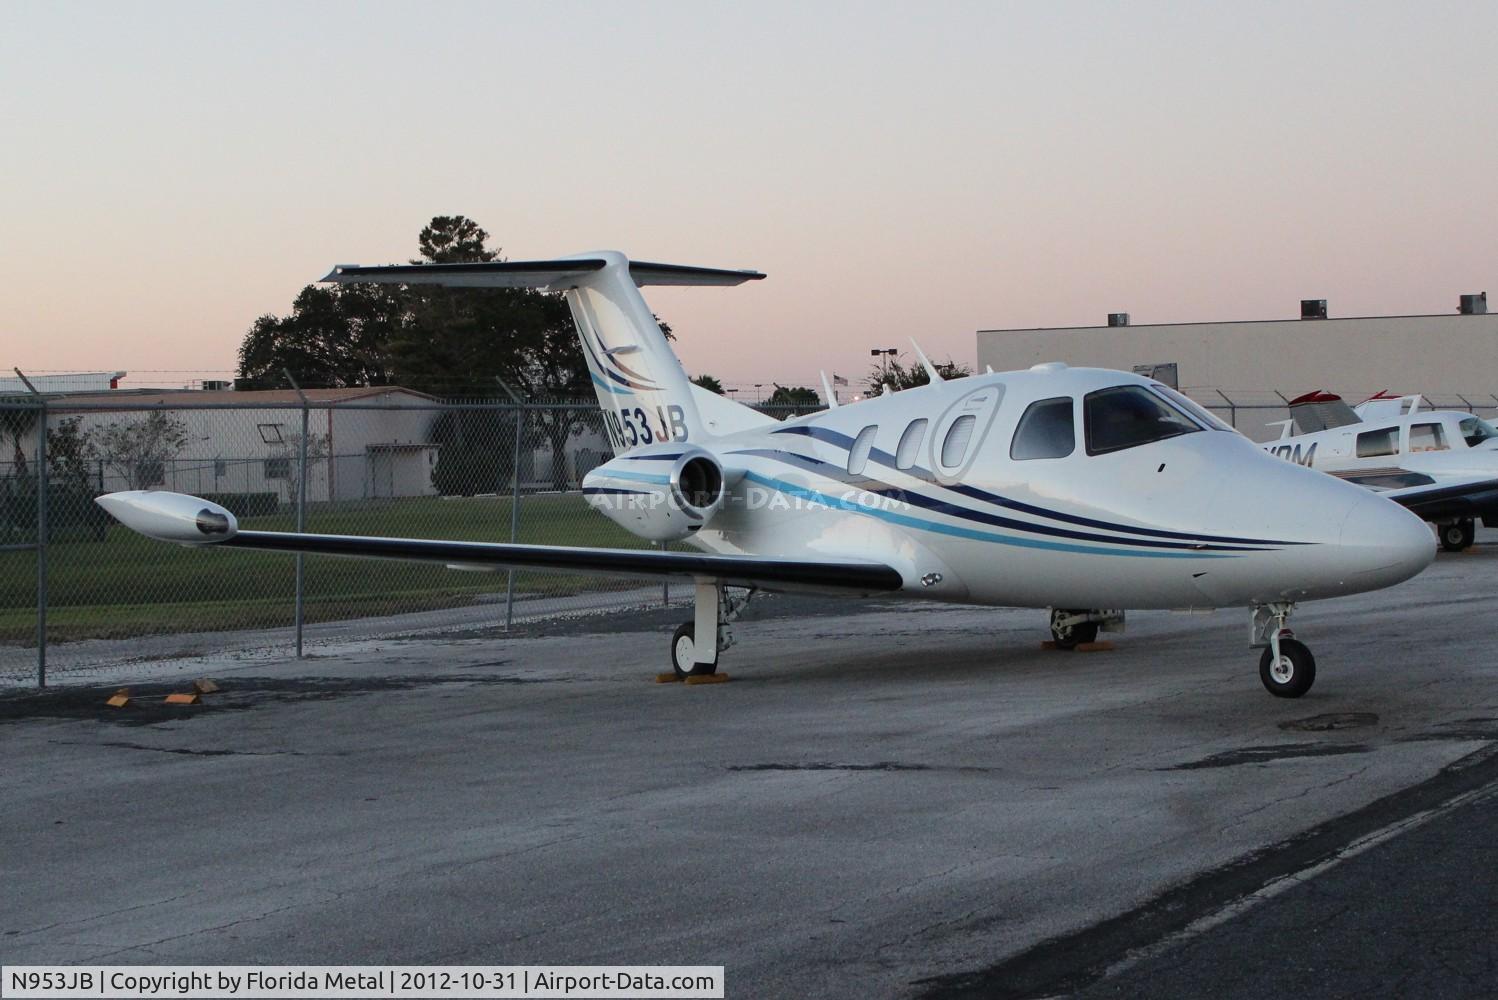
(553, 274)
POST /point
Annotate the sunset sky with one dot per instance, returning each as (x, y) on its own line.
(170, 171)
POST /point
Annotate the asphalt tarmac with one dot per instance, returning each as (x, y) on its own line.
(887, 799)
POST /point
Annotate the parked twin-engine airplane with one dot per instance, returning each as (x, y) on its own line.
(1078, 490)
(1441, 464)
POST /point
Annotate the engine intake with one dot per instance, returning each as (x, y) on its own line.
(697, 483)
(661, 493)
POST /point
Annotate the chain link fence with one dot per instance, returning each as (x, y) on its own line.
(79, 592)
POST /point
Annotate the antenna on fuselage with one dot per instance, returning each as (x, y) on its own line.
(827, 388)
(936, 378)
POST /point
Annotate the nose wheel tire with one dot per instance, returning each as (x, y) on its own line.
(684, 652)
(1458, 535)
(1293, 674)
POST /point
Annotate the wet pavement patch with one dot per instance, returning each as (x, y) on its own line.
(1269, 754)
(1332, 721)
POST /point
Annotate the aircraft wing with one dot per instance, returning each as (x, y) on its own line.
(1467, 497)
(176, 517)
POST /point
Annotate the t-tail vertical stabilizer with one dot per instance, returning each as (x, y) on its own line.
(642, 387)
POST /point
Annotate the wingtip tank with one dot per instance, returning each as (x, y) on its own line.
(171, 517)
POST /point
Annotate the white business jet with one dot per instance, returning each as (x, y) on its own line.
(1441, 464)
(1079, 490)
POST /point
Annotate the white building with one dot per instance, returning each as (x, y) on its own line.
(69, 382)
(1449, 358)
(362, 442)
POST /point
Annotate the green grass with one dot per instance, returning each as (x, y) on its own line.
(127, 585)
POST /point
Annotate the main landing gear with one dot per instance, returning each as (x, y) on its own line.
(1457, 535)
(1070, 627)
(1286, 666)
(716, 610)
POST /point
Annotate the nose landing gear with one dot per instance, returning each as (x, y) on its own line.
(1286, 667)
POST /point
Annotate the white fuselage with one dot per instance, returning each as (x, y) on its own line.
(1199, 519)
(1392, 450)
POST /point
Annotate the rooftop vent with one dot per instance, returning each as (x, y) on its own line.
(1122, 319)
(1313, 308)
(1473, 305)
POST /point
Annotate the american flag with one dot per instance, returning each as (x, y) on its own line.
(838, 379)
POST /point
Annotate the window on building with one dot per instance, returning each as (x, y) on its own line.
(1047, 430)
(954, 446)
(278, 468)
(270, 433)
(1427, 437)
(1384, 441)
(858, 455)
(1127, 416)
(910, 443)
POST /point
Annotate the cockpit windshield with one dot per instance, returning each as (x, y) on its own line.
(1126, 416)
(1476, 430)
(1203, 416)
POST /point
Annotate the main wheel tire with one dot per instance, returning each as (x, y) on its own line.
(684, 652)
(1458, 535)
(1072, 636)
(1293, 675)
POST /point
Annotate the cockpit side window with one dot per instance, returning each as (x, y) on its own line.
(1372, 444)
(1476, 430)
(1127, 416)
(1427, 437)
(910, 443)
(858, 455)
(1047, 430)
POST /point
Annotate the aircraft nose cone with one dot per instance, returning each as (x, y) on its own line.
(1386, 544)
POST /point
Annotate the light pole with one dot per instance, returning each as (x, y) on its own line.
(885, 355)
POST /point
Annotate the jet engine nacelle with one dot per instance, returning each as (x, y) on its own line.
(663, 492)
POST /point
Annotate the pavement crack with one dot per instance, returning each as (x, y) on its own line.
(184, 751)
(1268, 754)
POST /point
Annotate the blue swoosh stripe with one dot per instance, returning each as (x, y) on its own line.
(604, 385)
(935, 505)
(907, 521)
(615, 491)
(884, 458)
(640, 477)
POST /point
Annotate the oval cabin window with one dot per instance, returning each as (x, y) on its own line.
(959, 436)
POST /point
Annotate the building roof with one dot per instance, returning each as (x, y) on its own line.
(255, 397)
(1244, 322)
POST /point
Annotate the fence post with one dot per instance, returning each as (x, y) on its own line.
(1232, 408)
(301, 511)
(41, 530)
(514, 499)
